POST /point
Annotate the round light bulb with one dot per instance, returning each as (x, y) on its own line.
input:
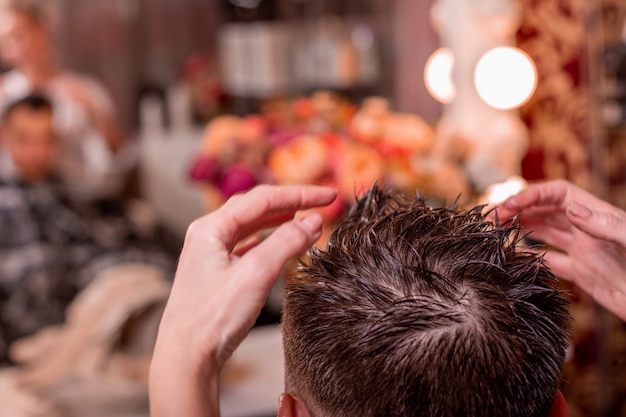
(438, 75)
(505, 77)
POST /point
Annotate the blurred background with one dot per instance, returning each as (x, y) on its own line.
(196, 100)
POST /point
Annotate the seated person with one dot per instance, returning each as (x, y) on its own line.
(410, 311)
(48, 252)
(93, 158)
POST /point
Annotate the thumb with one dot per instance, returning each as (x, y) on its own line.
(598, 224)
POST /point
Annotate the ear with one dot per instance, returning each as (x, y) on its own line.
(289, 406)
(559, 408)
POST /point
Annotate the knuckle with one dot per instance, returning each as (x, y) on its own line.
(611, 221)
(233, 200)
(261, 191)
(200, 228)
(194, 229)
(560, 187)
(256, 194)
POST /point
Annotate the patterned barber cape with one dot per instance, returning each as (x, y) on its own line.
(48, 252)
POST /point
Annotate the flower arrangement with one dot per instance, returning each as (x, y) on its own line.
(199, 74)
(323, 139)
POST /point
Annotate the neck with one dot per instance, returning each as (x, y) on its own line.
(39, 73)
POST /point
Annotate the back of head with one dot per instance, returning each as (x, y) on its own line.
(413, 311)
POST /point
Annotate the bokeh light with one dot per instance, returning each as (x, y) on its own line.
(505, 77)
(438, 75)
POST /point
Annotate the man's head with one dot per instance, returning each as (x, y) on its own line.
(425, 312)
(24, 38)
(28, 137)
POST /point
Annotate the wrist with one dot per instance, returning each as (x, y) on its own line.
(184, 378)
(178, 387)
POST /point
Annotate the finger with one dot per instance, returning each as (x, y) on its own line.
(504, 214)
(542, 211)
(501, 214)
(610, 227)
(266, 225)
(241, 214)
(558, 193)
(614, 301)
(548, 193)
(245, 213)
(242, 248)
(551, 236)
(254, 275)
(560, 264)
(266, 260)
(538, 198)
(545, 217)
(269, 222)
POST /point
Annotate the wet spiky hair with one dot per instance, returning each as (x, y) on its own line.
(416, 311)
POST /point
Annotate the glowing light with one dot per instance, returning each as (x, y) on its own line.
(505, 78)
(498, 193)
(438, 75)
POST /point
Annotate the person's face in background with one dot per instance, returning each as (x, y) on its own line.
(28, 136)
(23, 40)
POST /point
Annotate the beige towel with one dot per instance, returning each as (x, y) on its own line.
(96, 364)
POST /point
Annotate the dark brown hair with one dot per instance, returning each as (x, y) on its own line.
(415, 311)
(34, 102)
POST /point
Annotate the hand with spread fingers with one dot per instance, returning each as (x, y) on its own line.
(586, 237)
(220, 288)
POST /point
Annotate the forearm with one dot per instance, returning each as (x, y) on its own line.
(176, 391)
(206, 317)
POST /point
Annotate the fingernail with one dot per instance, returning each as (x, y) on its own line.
(578, 210)
(313, 222)
(335, 192)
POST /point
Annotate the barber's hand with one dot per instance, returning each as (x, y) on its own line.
(220, 289)
(587, 238)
